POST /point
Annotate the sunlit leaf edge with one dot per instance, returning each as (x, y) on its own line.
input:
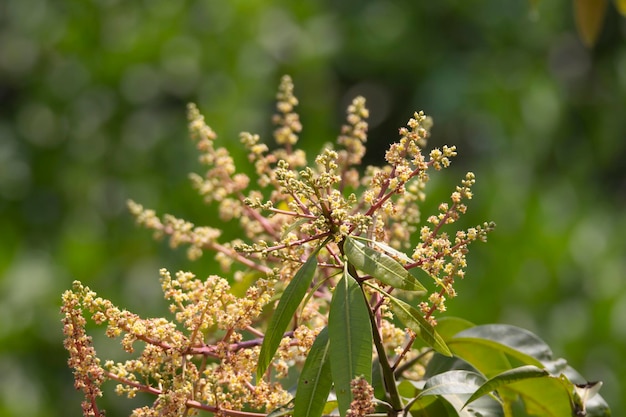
(507, 377)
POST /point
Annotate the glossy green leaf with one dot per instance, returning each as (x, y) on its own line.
(395, 253)
(507, 377)
(432, 406)
(496, 350)
(350, 334)
(380, 266)
(315, 379)
(317, 286)
(494, 358)
(493, 349)
(446, 393)
(413, 319)
(514, 337)
(408, 388)
(545, 396)
(287, 306)
(449, 326)
(453, 382)
(488, 357)
(416, 272)
(440, 363)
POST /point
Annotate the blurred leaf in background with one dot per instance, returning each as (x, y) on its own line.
(589, 16)
(92, 112)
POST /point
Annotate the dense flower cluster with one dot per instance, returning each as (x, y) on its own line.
(363, 402)
(205, 357)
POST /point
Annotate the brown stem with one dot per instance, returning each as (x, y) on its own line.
(292, 213)
(238, 257)
(441, 223)
(400, 369)
(297, 242)
(189, 403)
(258, 217)
(406, 350)
(434, 307)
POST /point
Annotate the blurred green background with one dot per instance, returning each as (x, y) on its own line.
(92, 112)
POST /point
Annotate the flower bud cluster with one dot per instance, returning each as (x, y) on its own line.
(204, 357)
(363, 398)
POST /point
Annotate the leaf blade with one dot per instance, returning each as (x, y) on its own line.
(501, 340)
(287, 306)
(379, 265)
(315, 379)
(507, 377)
(452, 382)
(350, 335)
(413, 319)
(544, 396)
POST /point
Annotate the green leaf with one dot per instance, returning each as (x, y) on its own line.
(495, 348)
(621, 6)
(431, 406)
(395, 253)
(413, 319)
(315, 379)
(350, 334)
(446, 393)
(440, 363)
(514, 337)
(318, 285)
(287, 306)
(329, 407)
(507, 377)
(545, 396)
(380, 266)
(453, 382)
(449, 326)
(409, 388)
(489, 357)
